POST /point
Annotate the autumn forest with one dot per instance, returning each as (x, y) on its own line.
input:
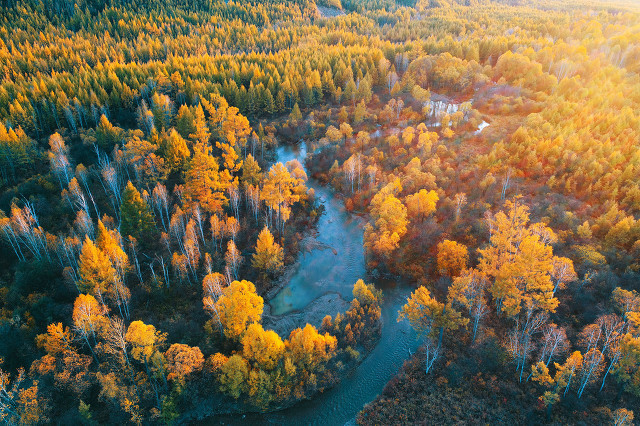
(370, 212)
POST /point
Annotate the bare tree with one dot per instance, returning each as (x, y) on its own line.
(115, 337)
(161, 203)
(505, 183)
(460, 199)
(520, 341)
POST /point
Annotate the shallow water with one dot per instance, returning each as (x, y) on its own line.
(322, 271)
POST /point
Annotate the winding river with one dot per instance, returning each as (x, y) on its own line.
(324, 271)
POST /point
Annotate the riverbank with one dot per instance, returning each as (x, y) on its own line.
(328, 304)
(320, 283)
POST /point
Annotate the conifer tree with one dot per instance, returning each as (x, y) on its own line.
(269, 254)
(97, 274)
(175, 150)
(204, 183)
(136, 217)
(295, 115)
(201, 132)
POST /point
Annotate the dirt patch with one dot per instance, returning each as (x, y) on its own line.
(327, 304)
(329, 12)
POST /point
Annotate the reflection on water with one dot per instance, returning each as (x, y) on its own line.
(321, 271)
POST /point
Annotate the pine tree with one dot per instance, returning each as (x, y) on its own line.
(107, 135)
(97, 274)
(251, 173)
(201, 133)
(185, 122)
(269, 255)
(204, 183)
(136, 217)
(295, 115)
(175, 150)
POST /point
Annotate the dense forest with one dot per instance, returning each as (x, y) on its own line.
(488, 152)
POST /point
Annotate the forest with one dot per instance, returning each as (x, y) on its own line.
(369, 212)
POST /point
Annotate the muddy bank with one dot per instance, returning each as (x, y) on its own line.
(329, 304)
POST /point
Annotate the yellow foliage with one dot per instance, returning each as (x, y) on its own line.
(264, 347)
(144, 339)
(238, 307)
(519, 259)
(421, 204)
(428, 316)
(204, 183)
(183, 360)
(365, 294)
(452, 258)
(389, 221)
(269, 255)
(97, 275)
(216, 361)
(307, 348)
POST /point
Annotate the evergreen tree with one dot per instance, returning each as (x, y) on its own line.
(136, 218)
(295, 115)
(175, 150)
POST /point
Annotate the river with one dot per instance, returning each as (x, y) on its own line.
(321, 272)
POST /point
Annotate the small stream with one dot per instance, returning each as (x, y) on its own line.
(321, 272)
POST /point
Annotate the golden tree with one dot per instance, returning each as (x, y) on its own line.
(452, 258)
(238, 307)
(144, 339)
(97, 274)
(201, 133)
(88, 318)
(519, 262)
(251, 172)
(388, 221)
(430, 318)
(183, 360)
(269, 255)
(204, 183)
(421, 204)
(175, 150)
(308, 349)
(263, 347)
(278, 193)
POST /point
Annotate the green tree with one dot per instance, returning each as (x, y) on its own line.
(136, 217)
(233, 376)
(296, 115)
(107, 135)
(628, 369)
(185, 122)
